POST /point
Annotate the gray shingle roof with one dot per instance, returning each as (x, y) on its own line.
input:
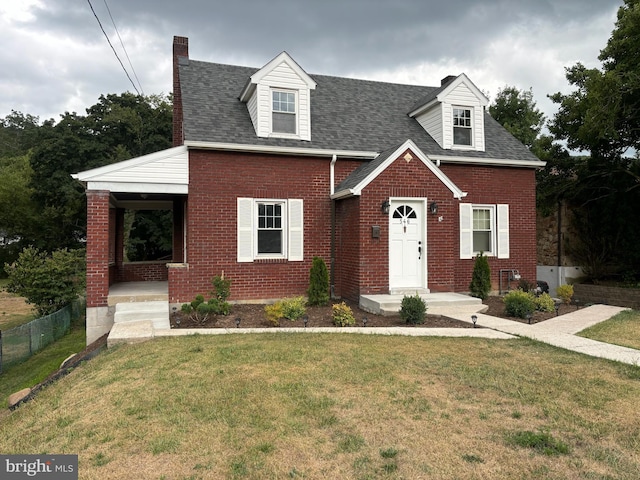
(346, 114)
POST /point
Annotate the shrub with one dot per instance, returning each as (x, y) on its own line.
(519, 304)
(219, 307)
(342, 315)
(318, 292)
(544, 303)
(293, 308)
(221, 288)
(413, 309)
(47, 281)
(565, 292)
(481, 278)
(274, 313)
(526, 285)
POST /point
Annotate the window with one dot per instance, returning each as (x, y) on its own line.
(462, 126)
(284, 112)
(484, 228)
(270, 229)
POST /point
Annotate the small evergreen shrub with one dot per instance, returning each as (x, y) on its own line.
(219, 307)
(274, 313)
(413, 309)
(221, 288)
(293, 308)
(480, 285)
(200, 310)
(565, 292)
(544, 303)
(342, 315)
(526, 285)
(519, 304)
(318, 292)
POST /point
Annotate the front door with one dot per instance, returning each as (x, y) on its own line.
(407, 247)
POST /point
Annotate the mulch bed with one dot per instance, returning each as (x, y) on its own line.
(252, 316)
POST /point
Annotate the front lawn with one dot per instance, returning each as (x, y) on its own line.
(255, 406)
(623, 329)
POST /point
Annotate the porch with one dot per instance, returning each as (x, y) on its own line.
(446, 303)
(131, 292)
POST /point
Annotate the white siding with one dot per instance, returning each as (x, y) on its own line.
(432, 121)
(463, 96)
(252, 106)
(285, 78)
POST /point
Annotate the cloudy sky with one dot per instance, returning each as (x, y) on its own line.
(55, 58)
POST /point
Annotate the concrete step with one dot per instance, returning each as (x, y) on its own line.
(155, 311)
(437, 303)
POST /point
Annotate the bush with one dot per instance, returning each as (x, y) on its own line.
(49, 282)
(199, 310)
(318, 292)
(342, 315)
(519, 304)
(274, 313)
(293, 308)
(544, 303)
(565, 292)
(413, 309)
(481, 278)
(221, 288)
(526, 285)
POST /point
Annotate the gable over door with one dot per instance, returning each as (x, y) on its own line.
(407, 248)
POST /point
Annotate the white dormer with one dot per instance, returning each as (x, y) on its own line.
(454, 114)
(278, 98)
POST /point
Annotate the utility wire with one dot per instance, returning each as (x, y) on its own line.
(114, 50)
(123, 47)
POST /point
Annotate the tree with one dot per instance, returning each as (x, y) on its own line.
(602, 117)
(516, 111)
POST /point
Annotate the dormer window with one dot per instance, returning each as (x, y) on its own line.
(462, 131)
(283, 112)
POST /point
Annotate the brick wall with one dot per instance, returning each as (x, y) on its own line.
(143, 272)
(217, 179)
(180, 49)
(98, 216)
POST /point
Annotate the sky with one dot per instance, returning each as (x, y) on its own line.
(55, 58)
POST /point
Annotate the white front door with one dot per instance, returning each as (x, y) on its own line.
(407, 249)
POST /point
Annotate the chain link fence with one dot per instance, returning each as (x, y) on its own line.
(19, 343)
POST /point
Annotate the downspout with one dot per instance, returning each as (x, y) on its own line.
(332, 283)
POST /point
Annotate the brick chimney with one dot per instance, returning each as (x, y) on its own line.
(180, 57)
(447, 79)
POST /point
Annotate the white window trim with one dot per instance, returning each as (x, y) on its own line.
(292, 227)
(472, 113)
(499, 230)
(296, 114)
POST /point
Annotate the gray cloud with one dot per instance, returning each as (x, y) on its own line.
(59, 59)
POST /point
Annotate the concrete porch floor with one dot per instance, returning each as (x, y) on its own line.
(437, 303)
(127, 292)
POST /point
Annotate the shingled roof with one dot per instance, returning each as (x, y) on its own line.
(346, 114)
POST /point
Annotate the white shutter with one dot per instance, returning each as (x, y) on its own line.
(296, 231)
(503, 230)
(466, 231)
(245, 229)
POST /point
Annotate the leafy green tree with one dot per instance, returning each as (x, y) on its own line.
(602, 117)
(516, 111)
(49, 282)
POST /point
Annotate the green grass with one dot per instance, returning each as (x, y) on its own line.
(338, 406)
(623, 329)
(38, 367)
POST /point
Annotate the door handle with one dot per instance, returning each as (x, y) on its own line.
(419, 250)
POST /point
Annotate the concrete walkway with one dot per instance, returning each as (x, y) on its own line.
(559, 331)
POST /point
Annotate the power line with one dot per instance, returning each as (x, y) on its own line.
(123, 47)
(114, 50)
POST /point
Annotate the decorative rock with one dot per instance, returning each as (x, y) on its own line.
(15, 398)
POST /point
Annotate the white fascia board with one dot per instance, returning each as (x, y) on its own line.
(286, 58)
(344, 194)
(308, 152)
(427, 106)
(122, 187)
(497, 162)
(409, 144)
(87, 175)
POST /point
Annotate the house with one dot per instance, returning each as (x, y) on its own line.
(396, 187)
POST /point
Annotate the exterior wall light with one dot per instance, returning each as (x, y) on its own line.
(433, 208)
(384, 208)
